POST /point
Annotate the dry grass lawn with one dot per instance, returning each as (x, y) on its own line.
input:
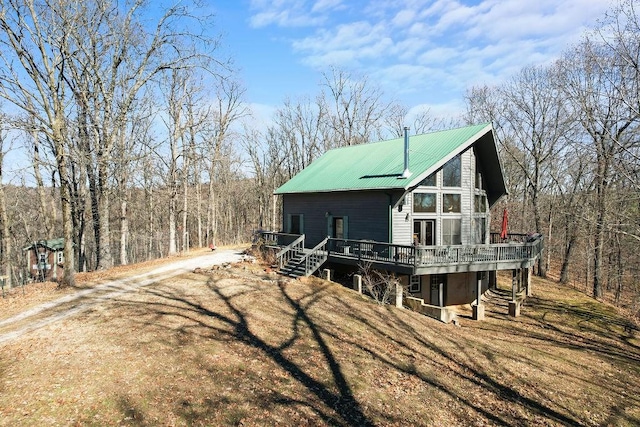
(242, 346)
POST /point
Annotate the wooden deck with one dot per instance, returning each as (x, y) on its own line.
(517, 251)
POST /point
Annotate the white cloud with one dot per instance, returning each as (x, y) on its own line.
(429, 48)
(292, 13)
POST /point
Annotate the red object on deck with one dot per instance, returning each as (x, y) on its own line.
(505, 223)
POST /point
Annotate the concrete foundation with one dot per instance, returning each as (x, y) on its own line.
(514, 308)
(357, 283)
(326, 274)
(398, 294)
(442, 314)
(478, 312)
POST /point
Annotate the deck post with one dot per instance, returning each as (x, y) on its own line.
(493, 279)
(398, 294)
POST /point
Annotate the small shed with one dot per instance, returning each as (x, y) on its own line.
(45, 259)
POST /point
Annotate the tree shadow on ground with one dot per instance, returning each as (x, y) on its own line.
(333, 400)
(340, 405)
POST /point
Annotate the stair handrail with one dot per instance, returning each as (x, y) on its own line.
(284, 255)
(315, 257)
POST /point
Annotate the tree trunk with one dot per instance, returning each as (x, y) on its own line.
(172, 226)
(601, 215)
(42, 198)
(105, 260)
(68, 278)
(5, 248)
(568, 251)
(124, 230)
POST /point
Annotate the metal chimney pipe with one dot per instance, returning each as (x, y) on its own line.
(406, 173)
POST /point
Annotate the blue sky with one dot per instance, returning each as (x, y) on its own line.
(423, 53)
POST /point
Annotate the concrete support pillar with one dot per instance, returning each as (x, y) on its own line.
(478, 307)
(514, 308)
(479, 292)
(398, 294)
(326, 274)
(514, 304)
(527, 281)
(357, 283)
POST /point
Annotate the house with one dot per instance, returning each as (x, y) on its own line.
(418, 206)
(45, 259)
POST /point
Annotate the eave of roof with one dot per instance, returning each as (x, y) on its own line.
(379, 165)
(51, 244)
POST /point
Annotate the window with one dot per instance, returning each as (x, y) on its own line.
(478, 183)
(424, 202)
(452, 173)
(60, 257)
(451, 203)
(451, 232)
(480, 204)
(429, 181)
(415, 287)
(480, 230)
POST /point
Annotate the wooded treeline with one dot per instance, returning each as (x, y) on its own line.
(142, 144)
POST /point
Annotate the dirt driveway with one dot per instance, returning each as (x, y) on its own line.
(76, 302)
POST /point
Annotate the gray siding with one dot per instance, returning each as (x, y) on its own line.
(367, 212)
(403, 226)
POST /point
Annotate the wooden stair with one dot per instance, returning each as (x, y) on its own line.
(295, 267)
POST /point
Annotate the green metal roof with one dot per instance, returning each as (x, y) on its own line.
(379, 165)
(51, 244)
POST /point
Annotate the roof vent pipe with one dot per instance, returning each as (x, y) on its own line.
(406, 173)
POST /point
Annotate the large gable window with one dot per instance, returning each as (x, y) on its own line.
(452, 173)
(451, 232)
(424, 202)
(451, 203)
(429, 181)
(480, 203)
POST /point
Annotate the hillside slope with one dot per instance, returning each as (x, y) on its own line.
(241, 346)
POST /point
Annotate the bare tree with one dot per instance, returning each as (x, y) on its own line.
(228, 109)
(32, 79)
(5, 239)
(355, 108)
(609, 125)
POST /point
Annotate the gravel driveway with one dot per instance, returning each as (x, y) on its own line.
(69, 305)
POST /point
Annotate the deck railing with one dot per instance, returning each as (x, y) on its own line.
(496, 238)
(273, 239)
(369, 250)
(290, 251)
(316, 257)
(521, 247)
(494, 253)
